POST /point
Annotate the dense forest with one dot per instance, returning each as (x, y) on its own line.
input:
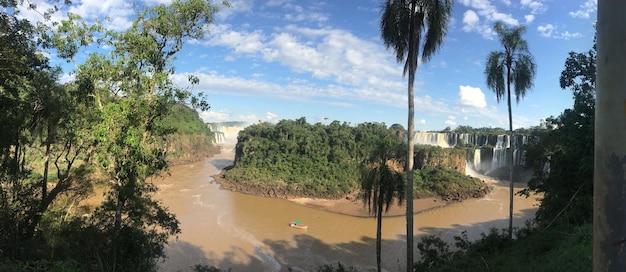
(298, 158)
(112, 126)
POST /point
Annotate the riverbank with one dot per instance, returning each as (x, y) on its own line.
(358, 209)
(349, 205)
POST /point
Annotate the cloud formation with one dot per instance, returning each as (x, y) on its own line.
(586, 9)
(551, 31)
(472, 96)
(481, 15)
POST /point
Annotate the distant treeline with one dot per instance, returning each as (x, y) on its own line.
(327, 160)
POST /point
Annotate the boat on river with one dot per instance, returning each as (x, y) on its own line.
(298, 225)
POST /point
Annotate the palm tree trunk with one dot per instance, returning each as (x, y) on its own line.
(609, 217)
(379, 226)
(409, 179)
(508, 89)
(412, 65)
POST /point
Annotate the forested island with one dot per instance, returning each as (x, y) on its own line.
(296, 158)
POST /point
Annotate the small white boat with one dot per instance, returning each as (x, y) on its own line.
(297, 225)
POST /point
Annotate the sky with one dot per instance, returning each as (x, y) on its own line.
(267, 60)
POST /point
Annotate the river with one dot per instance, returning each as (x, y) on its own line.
(250, 233)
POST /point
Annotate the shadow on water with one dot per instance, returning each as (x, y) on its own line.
(183, 256)
(306, 253)
(220, 163)
(474, 230)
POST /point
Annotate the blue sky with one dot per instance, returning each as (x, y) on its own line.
(266, 60)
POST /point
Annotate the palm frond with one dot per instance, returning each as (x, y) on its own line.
(394, 26)
(437, 17)
(495, 72)
(524, 70)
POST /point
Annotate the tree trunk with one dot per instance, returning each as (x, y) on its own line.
(508, 90)
(412, 64)
(609, 222)
(379, 226)
(121, 200)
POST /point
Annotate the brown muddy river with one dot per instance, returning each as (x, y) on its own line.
(249, 233)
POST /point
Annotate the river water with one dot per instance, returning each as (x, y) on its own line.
(250, 233)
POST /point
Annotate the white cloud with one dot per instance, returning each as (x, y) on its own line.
(536, 6)
(215, 116)
(329, 54)
(296, 13)
(253, 118)
(586, 9)
(236, 7)
(481, 15)
(118, 11)
(472, 96)
(420, 121)
(450, 122)
(470, 20)
(241, 42)
(546, 30)
(550, 31)
(529, 18)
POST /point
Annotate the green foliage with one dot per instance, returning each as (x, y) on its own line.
(339, 268)
(185, 120)
(558, 249)
(327, 160)
(562, 161)
(447, 184)
(318, 160)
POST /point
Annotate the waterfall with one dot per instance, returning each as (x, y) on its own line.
(491, 150)
(445, 140)
(226, 132)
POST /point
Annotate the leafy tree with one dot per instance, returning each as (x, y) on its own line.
(33, 111)
(405, 26)
(464, 129)
(515, 65)
(562, 160)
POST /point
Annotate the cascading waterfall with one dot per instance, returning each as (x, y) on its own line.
(490, 154)
(226, 132)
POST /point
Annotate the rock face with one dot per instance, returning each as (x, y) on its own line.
(448, 158)
(183, 149)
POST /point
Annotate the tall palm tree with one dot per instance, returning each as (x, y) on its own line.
(405, 26)
(381, 185)
(515, 65)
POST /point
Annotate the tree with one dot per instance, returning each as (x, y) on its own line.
(405, 26)
(131, 93)
(609, 217)
(381, 185)
(562, 159)
(515, 65)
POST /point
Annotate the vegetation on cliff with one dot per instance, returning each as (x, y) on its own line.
(190, 138)
(294, 157)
